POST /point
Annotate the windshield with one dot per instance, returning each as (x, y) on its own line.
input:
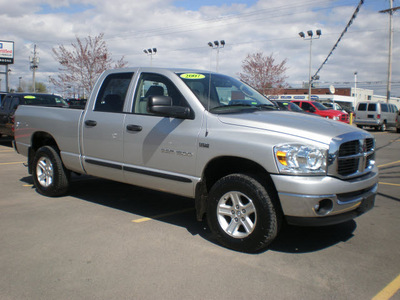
(223, 94)
(289, 106)
(320, 106)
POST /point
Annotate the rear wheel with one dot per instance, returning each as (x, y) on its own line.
(241, 214)
(49, 174)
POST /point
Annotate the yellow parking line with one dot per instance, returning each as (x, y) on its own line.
(162, 215)
(389, 290)
(387, 183)
(388, 164)
(29, 185)
(3, 151)
(12, 163)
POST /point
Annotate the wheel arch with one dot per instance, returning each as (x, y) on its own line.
(40, 139)
(223, 166)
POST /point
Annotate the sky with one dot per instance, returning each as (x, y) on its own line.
(181, 30)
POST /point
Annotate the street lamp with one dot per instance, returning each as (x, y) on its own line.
(310, 37)
(217, 45)
(150, 52)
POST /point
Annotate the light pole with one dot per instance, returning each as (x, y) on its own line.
(150, 52)
(217, 45)
(310, 37)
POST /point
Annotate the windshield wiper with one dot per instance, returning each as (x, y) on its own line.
(267, 106)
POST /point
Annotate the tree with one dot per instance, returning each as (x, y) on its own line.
(81, 66)
(264, 74)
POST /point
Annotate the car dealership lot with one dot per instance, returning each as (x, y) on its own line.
(108, 240)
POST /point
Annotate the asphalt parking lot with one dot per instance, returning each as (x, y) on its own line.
(107, 240)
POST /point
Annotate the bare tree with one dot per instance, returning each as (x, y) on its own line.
(264, 74)
(81, 66)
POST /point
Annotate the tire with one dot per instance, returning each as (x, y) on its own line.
(398, 129)
(241, 214)
(49, 174)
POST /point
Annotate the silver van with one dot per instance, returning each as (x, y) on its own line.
(375, 114)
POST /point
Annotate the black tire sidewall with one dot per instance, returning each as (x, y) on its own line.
(60, 183)
(267, 224)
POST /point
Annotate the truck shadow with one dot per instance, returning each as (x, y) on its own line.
(180, 211)
(295, 239)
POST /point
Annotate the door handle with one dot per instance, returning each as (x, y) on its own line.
(132, 127)
(90, 123)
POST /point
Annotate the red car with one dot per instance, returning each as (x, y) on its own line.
(321, 110)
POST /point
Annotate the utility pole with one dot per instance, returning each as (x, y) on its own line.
(34, 65)
(390, 11)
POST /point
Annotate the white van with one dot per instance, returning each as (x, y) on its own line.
(376, 114)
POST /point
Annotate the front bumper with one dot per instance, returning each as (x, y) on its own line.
(325, 200)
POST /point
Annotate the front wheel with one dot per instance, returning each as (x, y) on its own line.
(49, 174)
(241, 214)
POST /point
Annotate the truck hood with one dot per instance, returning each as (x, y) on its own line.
(306, 126)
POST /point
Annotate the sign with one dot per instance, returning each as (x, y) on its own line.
(6, 53)
(192, 76)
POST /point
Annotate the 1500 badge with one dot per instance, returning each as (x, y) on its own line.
(177, 152)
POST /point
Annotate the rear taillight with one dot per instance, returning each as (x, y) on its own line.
(378, 116)
(12, 122)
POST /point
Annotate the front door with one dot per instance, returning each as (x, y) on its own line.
(160, 152)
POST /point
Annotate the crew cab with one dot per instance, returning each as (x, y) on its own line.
(321, 110)
(249, 166)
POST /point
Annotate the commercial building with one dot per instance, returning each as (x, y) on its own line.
(346, 97)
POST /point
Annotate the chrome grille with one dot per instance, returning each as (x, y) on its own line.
(353, 157)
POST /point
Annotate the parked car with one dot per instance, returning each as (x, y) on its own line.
(287, 105)
(398, 122)
(376, 114)
(12, 100)
(321, 110)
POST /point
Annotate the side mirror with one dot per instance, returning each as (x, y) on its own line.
(162, 106)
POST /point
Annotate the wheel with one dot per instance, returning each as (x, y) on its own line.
(241, 214)
(49, 174)
(382, 127)
(398, 129)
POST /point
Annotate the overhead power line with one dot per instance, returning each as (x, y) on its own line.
(353, 17)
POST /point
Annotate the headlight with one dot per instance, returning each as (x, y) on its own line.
(335, 118)
(297, 159)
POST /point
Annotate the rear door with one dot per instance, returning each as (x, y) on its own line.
(102, 130)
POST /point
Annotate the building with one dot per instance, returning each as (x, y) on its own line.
(347, 97)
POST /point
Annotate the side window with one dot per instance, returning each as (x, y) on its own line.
(155, 85)
(6, 103)
(384, 107)
(362, 107)
(14, 103)
(372, 107)
(113, 92)
(307, 106)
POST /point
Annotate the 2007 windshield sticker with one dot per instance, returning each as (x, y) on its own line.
(192, 76)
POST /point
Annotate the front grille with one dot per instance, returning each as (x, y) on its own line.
(355, 158)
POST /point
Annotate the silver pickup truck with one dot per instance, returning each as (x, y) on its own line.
(249, 166)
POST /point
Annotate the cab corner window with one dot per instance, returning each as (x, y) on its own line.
(112, 94)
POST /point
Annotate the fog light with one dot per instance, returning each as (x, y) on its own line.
(323, 207)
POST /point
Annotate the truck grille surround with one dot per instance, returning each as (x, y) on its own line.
(351, 155)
